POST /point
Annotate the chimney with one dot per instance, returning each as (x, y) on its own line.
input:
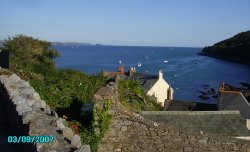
(169, 93)
(160, 74)
(131, 71)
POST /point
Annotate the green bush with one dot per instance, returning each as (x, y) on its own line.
(134, 99)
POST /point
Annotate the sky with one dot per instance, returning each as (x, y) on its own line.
(190, 23)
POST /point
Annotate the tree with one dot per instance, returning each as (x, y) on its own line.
(30, 52)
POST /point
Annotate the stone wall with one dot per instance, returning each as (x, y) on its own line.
(23, 113)
(130, 132)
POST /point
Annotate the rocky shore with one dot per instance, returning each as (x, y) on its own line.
(207, 92)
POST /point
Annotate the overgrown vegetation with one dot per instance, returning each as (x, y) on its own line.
(64, 90)
(100, 125)
(235, 48)
(134, 99)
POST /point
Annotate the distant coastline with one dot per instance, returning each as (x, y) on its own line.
(236, 49)
(70, 43)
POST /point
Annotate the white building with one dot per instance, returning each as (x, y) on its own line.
(154, 86)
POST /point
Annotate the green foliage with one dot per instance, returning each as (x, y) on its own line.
(27, 52)
(134, 99)
(101, 121)
(235, 48)
(32, 60)
(88, 136)
(104, 117)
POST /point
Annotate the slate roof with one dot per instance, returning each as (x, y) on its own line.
(233, 101)
(227, 124)
(146, 81)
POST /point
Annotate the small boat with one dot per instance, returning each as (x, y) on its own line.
(139, 64)
(146, 57)
(165, 61)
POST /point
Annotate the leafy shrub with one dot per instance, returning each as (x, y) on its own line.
(134, 99)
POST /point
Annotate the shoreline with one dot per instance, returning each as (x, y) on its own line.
(240, 61)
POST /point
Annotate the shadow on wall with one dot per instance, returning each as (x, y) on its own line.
(11, 124)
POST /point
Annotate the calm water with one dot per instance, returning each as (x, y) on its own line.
(185, 71)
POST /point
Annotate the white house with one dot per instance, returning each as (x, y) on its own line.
(154, 86)
(161, 90)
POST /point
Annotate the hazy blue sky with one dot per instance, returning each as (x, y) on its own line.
(126, 22)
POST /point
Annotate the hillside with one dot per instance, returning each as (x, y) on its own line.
(236, 48)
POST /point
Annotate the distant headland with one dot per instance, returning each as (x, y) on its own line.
(71, 43)
(236, 48)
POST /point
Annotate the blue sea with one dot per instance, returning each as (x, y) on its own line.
(183, 68)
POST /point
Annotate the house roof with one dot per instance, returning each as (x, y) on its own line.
(146, 81)
(234, 101)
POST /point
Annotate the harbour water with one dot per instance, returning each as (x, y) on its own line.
(183, 68)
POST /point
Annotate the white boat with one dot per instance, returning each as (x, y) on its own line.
(165, 61)
(139, 64)
(146, 57)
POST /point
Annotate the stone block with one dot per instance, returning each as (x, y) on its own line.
(124, 128)
(27, 117)
(18, 100)
(68, 133)
(13, 79)
(47, 110)
(30, 102)
(248, 123)
(76, 141)
(187, 149)
(84, 148)
(60, 123)
(34, 96)
(22, 108)
(40, 104)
